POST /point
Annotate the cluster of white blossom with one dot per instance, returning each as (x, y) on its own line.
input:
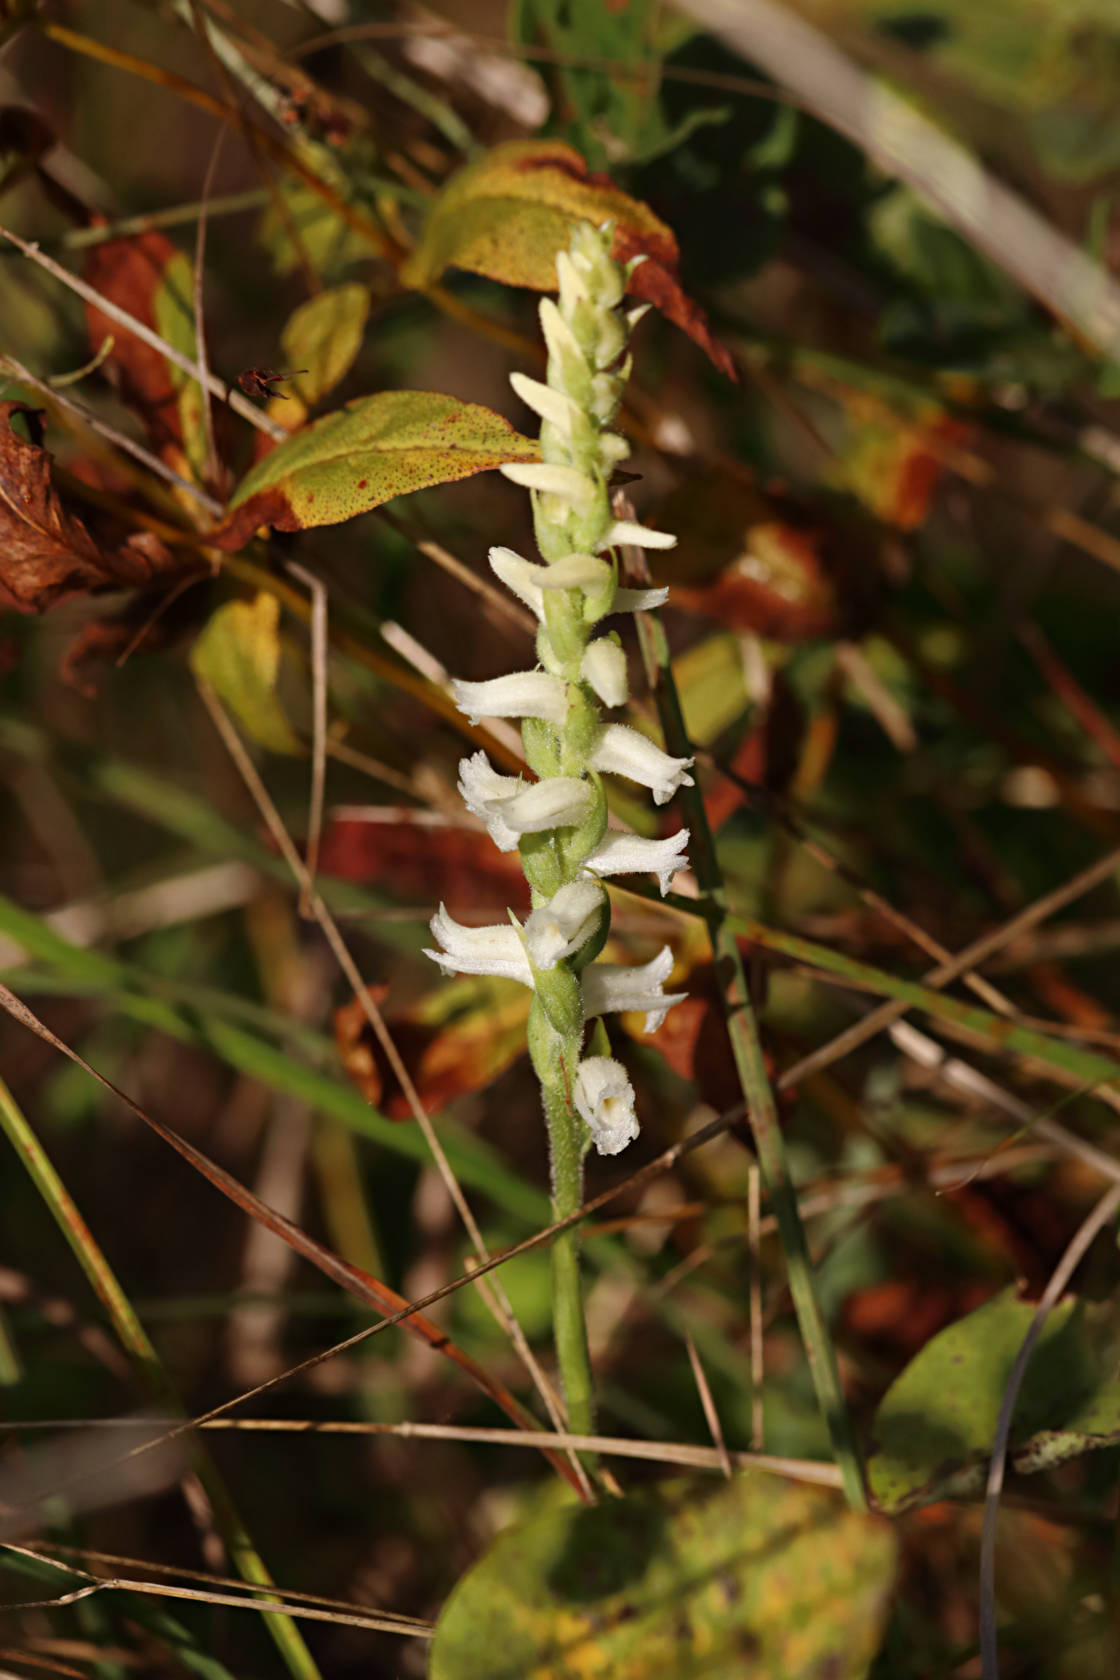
(559, 822)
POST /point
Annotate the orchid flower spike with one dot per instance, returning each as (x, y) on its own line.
(558, 821)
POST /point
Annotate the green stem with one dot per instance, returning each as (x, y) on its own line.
(742, 1030)
(566, 1138)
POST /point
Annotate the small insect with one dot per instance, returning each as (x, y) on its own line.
(258, 382)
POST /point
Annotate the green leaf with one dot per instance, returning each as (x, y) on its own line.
(238, 654)
(323, 336)
(328, 242)
(935, 1426)
(751, 1579)
(173, 318)
(713, 687)
(366, 453)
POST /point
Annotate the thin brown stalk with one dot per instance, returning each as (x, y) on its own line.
(193, 368)
(953, 967)
(319, 639)
(120, 440)
(711, 1415)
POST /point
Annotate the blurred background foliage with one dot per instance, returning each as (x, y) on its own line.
(893, 626)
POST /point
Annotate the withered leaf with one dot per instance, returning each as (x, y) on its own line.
(150, 278)
(46, 551)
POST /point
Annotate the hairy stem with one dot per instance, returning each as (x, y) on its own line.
(567, 1136)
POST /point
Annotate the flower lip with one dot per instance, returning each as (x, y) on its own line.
(561, 927)
(567, 482)
(630, 854)
(604, 667)
(521, 694)
(626, 752)
(495, 949)
(510, 807)
(604, 1099)
(609, 987)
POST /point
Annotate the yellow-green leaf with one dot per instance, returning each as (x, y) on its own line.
(750, 1579)
(323, 336)
(366, 453)
(173, 315)
(936, 1423)
(238, 654)
(509, 213)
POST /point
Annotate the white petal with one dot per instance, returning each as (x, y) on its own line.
(566, 482)
(488, 795)
(496, 949)
(610, 340)
(604, 667)
(510, 807)
(627, 753)
(571, 284)
(604, 1098)
(519, 576)
(629, 854)
(558, 802)
(639, 600)
(608, 987)
(560, 927)
(612, 449)
(525, 579)
(559, 338)
(638, 536)
(521, 694)
(576, 571)
(546, 403)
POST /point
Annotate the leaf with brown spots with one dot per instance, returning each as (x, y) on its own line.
(508, 214)
(364, 454)
(45, 551)
(150, 278)
(754, 1578)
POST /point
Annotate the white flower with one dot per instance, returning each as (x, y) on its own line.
(559, 928)
(568, 483)
(561, 341)
(496, 949)
(627, 753)
(629, 854)
(521, 694)
(639, 600)
(528, 581)
(560, 411)
(608, 987)
(638, 536)
(604, 667)
(571, 281)
(604, 1098)
(510, 807)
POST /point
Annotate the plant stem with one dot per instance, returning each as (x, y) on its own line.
(566, 1135)
(742, 1029)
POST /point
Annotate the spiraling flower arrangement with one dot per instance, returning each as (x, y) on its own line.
(559, 822)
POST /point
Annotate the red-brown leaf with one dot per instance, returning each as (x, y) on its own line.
(46, 551)
(425, 864)
(149, 277)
